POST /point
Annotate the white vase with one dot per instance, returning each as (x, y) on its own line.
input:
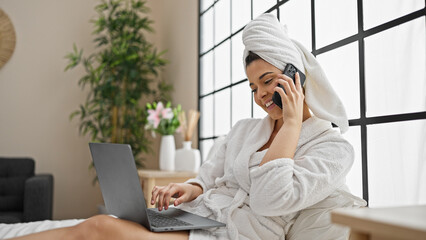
(187, 159)
(167, 153)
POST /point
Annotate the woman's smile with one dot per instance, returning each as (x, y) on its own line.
(270, 105)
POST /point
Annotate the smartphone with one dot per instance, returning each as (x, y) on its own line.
(289, 71)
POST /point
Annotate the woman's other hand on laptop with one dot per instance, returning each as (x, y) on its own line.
(183, 192)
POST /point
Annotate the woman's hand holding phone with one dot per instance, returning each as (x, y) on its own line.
(289, 71)
(292, 99)
(183, 192)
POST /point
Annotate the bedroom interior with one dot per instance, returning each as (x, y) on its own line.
(204, 52)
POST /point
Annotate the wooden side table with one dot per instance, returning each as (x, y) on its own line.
(151, 178)
(383, 223)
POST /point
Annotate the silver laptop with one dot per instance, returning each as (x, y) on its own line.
(123, 197)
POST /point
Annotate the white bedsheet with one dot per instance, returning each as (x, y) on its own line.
(20, 229)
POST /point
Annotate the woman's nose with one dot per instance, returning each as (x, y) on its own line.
(261, 92)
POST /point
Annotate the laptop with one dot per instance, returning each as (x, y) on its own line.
(123, 197)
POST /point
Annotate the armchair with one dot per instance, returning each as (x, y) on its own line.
(24, 196)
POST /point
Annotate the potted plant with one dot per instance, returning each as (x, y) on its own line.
(119, 74)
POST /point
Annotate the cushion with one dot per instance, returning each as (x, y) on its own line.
(13, 174)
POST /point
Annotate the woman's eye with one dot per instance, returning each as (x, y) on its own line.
(268, 81)
(254, 90)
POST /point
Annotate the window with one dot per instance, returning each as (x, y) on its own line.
(376, 63)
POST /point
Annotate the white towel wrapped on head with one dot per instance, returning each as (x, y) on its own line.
(268, 38)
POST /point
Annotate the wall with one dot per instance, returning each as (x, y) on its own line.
(176, 30)
(37, 96)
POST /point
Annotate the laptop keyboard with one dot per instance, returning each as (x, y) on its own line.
(159, 220)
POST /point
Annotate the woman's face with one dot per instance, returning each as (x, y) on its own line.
(262, 77)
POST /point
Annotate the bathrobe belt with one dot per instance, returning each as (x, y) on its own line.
(240, 197)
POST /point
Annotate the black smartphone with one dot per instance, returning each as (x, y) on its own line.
(290, 71)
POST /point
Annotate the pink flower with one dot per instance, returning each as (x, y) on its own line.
(167, 113)
(159, 113)
(154, 115)
(153, 118)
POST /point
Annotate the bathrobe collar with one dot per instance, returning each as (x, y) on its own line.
(260, 135)
(311, 128)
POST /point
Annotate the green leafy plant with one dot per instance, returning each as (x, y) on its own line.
(120, 75)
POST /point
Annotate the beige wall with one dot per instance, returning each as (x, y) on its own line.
(37, 96)
(176, 29)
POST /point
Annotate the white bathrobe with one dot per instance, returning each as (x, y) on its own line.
(282, 199)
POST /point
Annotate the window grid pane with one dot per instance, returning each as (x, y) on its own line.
(204, 4)
(261, 6)
(334, 20)
(222, 118)
(206, 68)
(298, 21)
(222, 20)
(401, 61)
(206, 31)
(241, 102)
(206, 117)
(222, 65)
(391, 10)
(354, 177)
(396, 163)
(205, 146)
(238, 72)
(241, 14)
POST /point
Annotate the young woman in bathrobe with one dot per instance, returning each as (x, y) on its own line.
(272, 178)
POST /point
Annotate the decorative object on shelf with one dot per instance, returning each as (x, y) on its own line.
(164, 120)
(119, 74)
(187, 158)
(167, 153)
(7, 38)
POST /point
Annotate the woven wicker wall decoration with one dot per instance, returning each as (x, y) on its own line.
(7, 38)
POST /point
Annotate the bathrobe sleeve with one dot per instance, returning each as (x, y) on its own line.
(284, 185)
(212, 167)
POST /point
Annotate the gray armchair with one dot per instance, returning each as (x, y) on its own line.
(24, 197)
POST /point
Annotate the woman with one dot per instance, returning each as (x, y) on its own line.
(271, 178)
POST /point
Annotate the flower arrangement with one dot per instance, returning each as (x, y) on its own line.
(163, 120)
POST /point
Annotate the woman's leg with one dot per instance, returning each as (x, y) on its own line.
(105, 227)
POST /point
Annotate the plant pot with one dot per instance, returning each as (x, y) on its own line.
(167, 153)
(187, 159)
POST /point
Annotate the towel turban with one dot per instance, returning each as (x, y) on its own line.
(268, 38)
